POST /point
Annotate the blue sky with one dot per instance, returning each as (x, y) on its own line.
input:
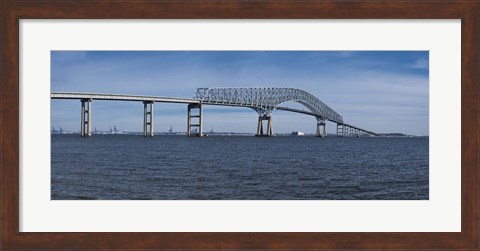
(381, 91)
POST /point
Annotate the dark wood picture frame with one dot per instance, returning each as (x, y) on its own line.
(12, 11)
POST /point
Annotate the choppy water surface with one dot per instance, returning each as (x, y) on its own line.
(127, 167)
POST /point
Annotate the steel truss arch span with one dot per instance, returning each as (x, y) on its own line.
(265, 100)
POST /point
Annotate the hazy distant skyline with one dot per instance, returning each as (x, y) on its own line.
(381, 91)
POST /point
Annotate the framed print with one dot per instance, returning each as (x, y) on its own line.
(321, 177)
(130, 125)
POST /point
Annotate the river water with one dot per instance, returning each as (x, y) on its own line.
(131, 167)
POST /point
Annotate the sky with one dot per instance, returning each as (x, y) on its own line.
(380, 91)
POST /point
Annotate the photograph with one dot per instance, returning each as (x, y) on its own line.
(239, 125)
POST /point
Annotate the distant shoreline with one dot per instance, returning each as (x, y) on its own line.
(227, 134)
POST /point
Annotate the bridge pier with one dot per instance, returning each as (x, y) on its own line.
(268, 133)
(148, 122)
(86, 118)
(340, 130)
(197, 128)
(321, 129)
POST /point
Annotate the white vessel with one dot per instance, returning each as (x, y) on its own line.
(298, 133)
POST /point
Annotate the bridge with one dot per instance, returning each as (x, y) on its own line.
(264, 100)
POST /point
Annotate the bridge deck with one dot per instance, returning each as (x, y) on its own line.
(120, 97)
(313, 114)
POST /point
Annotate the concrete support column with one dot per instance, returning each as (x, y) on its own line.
(82, 119)
(260, 126)
(89, 122)
(189, 120)
(321, 129)
(269, 126)
(269, 131)
(192, 128)
(86, 118)
(144, 119)
(151, 120)
(340, 128)
(200, 120)
(148, 118)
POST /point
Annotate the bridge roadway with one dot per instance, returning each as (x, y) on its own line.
(193, 103)
(312, 114)
(121, 97)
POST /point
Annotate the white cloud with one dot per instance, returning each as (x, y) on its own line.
(420, 64)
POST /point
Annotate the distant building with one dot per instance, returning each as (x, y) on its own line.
(60, 131)
(298, 133)
(393, 134)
